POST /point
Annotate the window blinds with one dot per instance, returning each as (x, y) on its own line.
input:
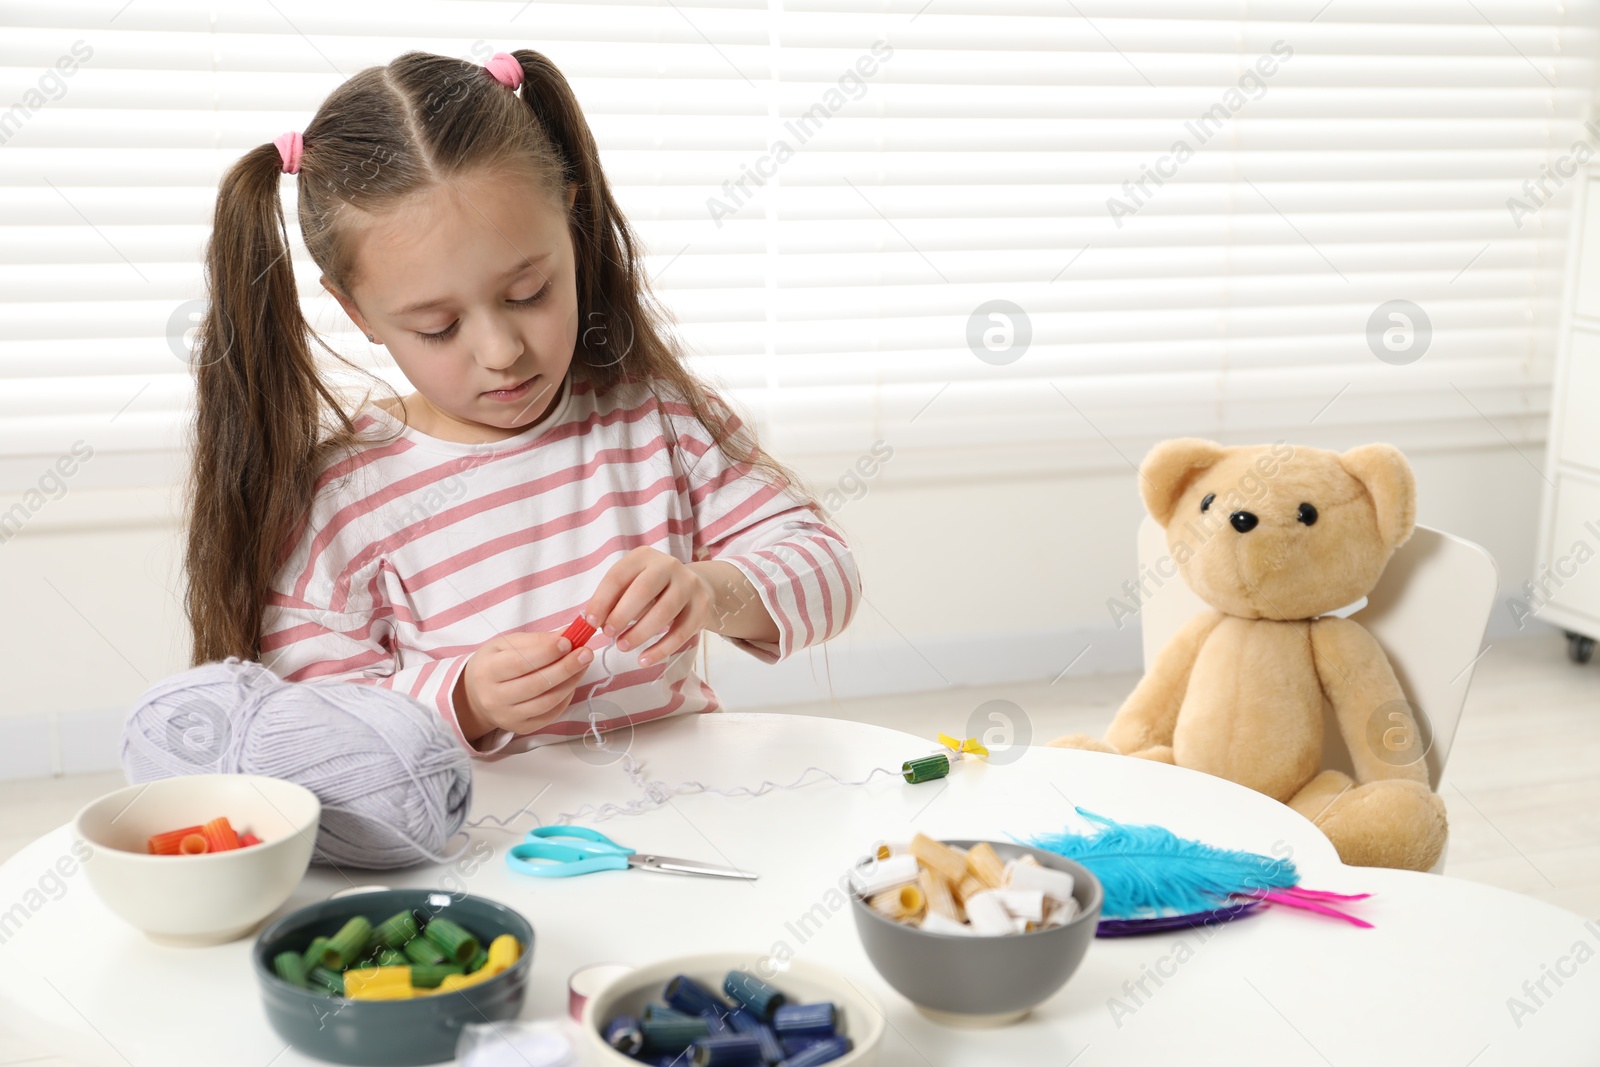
(1002, 236)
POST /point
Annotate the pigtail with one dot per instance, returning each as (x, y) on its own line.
(257, 431)
(621, 335)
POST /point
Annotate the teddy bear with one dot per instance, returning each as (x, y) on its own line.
(1273, 538)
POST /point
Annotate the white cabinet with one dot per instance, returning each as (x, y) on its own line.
(1565, 589)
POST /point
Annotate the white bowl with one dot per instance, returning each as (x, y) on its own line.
(212, 897)
(803, 983)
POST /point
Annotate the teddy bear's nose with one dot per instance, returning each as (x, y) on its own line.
(1243, 521)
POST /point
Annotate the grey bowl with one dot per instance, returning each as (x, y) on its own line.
(377, 1033)
(983, 981)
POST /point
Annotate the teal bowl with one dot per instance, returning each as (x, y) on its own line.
(379, 1033)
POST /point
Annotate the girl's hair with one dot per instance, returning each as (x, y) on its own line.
(267, 422)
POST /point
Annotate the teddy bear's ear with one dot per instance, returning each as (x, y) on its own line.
(1387, 476)
(1169, 468)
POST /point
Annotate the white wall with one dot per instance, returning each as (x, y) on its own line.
(967, 584)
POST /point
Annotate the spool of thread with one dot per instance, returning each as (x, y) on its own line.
(585, 982)
(394, 783)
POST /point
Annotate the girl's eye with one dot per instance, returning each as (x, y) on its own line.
(445, 334)
(536, 297)
(442, 335)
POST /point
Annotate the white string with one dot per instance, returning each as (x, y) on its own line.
(656, 793)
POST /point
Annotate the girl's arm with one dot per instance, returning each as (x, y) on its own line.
(763, 570)
(736, 608)
(319, 625)
(302, 641)
(784, 579)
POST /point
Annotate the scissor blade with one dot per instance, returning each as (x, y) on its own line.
(668, 865)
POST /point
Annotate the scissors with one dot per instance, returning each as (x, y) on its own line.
(582, 851)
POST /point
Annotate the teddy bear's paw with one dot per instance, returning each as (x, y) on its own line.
(1155, 753)
(1392, 823)
(1085, 742)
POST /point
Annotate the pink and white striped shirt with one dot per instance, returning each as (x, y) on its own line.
(415, 553)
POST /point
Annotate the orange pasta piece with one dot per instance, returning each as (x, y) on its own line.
(968, 888)
(193, 845)
(937, 893)
(167, 844)
(984, 864)
(220, 836)
(945, 861)
(246, 839)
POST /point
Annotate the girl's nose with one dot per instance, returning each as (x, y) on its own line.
(499, 345)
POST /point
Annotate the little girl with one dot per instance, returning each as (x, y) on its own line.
(557, 457)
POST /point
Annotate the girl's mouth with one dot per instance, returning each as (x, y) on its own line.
(511, 394)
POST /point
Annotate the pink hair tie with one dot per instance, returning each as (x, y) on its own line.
(505, 68)
(290, 147)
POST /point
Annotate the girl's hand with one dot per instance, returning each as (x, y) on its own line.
(519, 682)
(648, 594)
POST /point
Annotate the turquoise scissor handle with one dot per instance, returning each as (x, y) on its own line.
(581, 852)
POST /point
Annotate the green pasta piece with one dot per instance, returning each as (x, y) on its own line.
(396, 930)
(429, 977)
(348, 945)
(330, 980)
(478, 961)
(388, 957)
(291, 968)
(313, 955)
(425, 952)
(458, 944)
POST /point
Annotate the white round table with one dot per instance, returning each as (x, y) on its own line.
(1433, 983)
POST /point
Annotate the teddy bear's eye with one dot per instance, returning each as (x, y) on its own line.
(1205, 504)
(1308, 514)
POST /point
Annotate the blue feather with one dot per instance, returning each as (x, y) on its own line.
(1149, 871)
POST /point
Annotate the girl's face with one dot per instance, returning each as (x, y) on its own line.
(471, 287)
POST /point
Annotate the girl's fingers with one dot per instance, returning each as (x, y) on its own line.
(602, 609)
(524, 652)
(533, 683)
(668, 607)
(671, 642)
(635, 602)
(546, 705)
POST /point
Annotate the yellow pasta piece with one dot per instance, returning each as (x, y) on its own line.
(503, 952)
(461, 981)
(903, 903)
(946, 861)
(936, 891)
(377, 983)
(384, 993)
(984, 864)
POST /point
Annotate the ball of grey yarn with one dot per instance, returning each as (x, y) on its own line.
(394, 783)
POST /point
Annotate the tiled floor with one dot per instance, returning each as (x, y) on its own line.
(1523, 795)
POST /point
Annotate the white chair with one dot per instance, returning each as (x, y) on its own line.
(1428, 612)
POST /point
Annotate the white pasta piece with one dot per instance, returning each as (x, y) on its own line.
(1057, 885)
(872, 877)
(934, 923)
(1023, 860)
(893, 848)
(1019, 926)
(988, 915)
(1023, 903)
